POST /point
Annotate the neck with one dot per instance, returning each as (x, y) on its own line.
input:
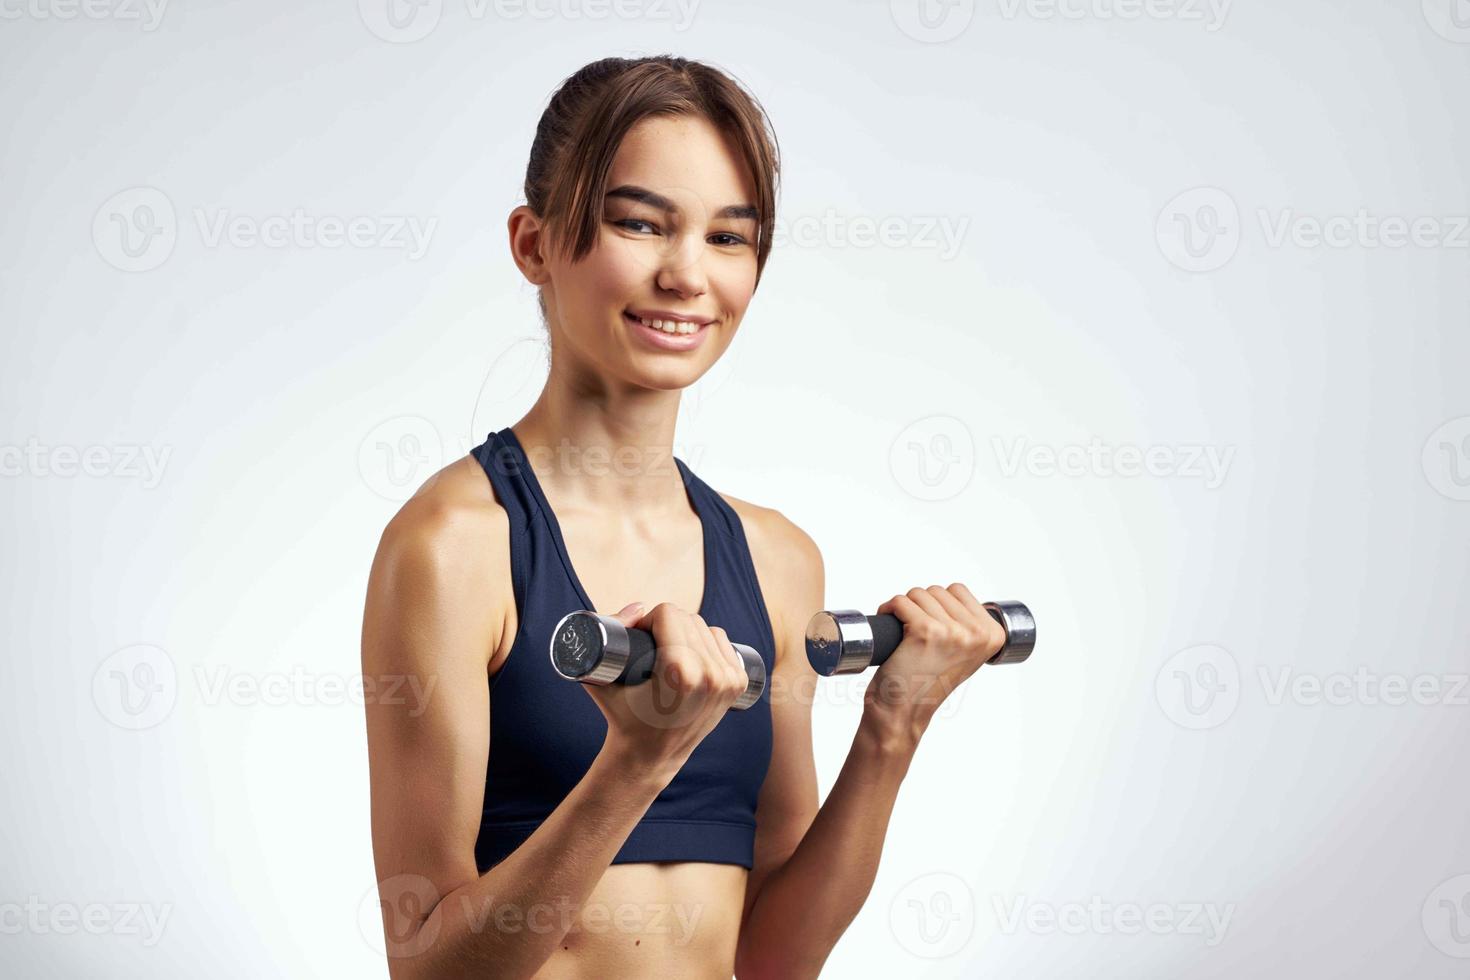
(595, 455)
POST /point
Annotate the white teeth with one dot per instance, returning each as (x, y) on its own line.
(670, 326)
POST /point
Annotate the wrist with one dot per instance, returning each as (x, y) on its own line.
(891, 730)
(633, 767)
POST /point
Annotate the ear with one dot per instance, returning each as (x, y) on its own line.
(528, 243)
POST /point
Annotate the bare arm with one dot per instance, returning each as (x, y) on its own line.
(428, 619)
(814, 865)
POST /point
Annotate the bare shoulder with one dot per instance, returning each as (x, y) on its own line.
(786, 558)
(449, 546)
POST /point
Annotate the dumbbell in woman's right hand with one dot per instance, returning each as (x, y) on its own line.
(696, 676)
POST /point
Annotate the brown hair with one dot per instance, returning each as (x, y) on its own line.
(592, 110)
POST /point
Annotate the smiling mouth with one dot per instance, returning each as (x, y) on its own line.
(671, 328)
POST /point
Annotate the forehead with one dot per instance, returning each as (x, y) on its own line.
(682, 155)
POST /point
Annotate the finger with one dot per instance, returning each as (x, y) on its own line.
(925, 600)
(956, 609)
(715, 662)
(731, 656)
(904, 608)
(630, 614)
(967, 597)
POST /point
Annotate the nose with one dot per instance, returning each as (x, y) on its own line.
(681, 268)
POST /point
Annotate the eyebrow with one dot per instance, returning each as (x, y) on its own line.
(653, 199)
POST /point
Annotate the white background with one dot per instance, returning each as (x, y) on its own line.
(897, 398)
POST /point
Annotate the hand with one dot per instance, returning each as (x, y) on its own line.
(947, 636)
(696, 676)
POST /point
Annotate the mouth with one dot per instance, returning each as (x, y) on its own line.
(663, 338)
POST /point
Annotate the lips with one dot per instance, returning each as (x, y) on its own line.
(652, 315)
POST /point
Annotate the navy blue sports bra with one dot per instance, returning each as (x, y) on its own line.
(545, 730)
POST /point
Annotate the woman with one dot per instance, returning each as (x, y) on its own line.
(526, 825)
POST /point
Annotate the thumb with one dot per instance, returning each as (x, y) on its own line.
(629, 614)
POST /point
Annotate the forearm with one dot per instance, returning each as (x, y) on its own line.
(508, 922)
(825, 882)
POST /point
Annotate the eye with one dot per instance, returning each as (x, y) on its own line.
(625, 222)
(734, 239)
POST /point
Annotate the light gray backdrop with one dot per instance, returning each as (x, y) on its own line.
(1152, 313)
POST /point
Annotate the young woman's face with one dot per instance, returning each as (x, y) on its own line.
(677, 240)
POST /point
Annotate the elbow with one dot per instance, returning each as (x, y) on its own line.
(754, 962)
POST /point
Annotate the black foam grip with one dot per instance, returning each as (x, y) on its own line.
(641, 655)
(888, 633)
